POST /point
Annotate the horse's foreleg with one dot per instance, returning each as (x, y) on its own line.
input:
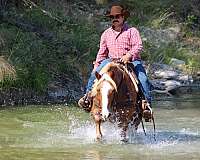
(124, 133)
(97, 119)
(98, 131)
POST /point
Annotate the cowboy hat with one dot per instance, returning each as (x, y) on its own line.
(118, 9)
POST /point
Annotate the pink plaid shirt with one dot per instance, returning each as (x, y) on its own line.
(115, 45)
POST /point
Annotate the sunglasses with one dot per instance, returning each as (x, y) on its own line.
(117, 16)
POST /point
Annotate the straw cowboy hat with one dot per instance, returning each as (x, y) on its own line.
(118, 9)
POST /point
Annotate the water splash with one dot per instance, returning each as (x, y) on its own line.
(87, 133)
(111, 134)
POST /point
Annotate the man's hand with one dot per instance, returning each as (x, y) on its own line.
(126, 58)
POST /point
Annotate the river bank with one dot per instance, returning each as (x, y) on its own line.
(71, 94)
(167, 80)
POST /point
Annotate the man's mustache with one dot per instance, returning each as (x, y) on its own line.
(115, 21)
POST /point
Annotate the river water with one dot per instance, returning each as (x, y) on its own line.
(67, 133)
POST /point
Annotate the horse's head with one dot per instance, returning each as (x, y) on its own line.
(105, 88)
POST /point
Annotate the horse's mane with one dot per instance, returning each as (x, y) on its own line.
(107, 68)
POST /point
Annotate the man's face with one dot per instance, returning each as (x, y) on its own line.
(117, 20)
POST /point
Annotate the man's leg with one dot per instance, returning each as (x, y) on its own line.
(144, 82)
(93, 77)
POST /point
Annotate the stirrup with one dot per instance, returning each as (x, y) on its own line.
(84, 103)
(147, 113)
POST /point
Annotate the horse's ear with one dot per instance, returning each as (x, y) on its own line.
(98, 76)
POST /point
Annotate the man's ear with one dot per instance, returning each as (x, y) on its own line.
(98, 76)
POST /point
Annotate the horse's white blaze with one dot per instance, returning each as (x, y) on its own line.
(105, 90)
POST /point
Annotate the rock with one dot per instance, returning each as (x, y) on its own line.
(171, 84)
(167, 87)
(166, 74)
(184, 79)
(157, 84)
(162, 71)
(162, 84)
(166, 79)
(158, 66)
(103, 26)
(159, 37)
(62, 91)
(177, 63)
(100, 12)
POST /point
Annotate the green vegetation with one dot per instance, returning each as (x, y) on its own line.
(58, 45)
(38, 60)
(159, 15)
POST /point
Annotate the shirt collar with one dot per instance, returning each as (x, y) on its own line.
(124, 28)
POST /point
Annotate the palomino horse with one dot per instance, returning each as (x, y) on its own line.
(114, 95)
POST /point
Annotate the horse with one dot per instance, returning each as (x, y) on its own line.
(114, 97)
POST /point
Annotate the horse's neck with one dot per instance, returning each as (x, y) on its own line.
(126, 89)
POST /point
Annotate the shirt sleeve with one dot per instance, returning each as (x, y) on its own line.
(135, 43)
(103, 50)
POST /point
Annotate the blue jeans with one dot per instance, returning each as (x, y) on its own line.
(144, 84)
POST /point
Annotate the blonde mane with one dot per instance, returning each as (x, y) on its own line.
(105, 76)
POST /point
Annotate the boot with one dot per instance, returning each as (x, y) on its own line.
(147, 111)
(147, 115)
(85, 102)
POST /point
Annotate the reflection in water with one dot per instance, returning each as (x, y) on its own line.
(59, 132)
(93, 155)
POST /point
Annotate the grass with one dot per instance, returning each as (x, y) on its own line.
(38, 61)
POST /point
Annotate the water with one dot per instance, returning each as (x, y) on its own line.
(67, 133)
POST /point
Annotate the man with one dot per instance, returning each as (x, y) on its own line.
(123, 43)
